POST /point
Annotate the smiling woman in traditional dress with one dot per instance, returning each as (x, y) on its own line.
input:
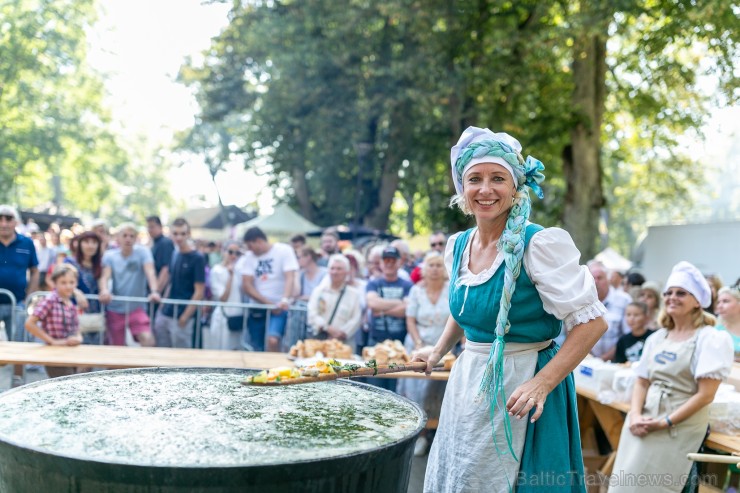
(681, 367)
(509, 416)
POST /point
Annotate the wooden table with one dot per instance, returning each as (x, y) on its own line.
(31, 353)
(611, 419)
(116, 357)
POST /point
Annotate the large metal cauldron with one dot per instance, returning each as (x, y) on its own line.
(28, 465)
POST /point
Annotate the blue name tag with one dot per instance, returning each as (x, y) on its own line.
(664, 357)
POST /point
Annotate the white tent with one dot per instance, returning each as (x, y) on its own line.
(283, 223)
(613, 260)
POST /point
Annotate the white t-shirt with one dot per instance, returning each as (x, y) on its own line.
(219, 278)
(269, 270)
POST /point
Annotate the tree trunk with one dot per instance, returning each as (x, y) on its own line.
(410, 216)
(378, 217)
(582, 160)
(300, 186)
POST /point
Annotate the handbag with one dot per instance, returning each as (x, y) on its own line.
(91, 322)
(320, 334)
(236, 323)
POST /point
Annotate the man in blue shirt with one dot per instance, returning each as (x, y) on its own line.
(386, 298)
(19, 274)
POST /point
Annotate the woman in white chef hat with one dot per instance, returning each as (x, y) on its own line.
(681, 367)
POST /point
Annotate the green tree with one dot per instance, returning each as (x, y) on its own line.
(57, 149)
(41, 81)
(349, 104)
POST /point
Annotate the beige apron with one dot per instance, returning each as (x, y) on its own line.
(657, 462)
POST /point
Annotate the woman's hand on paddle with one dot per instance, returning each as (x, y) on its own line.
(427, 355)
(529, 395)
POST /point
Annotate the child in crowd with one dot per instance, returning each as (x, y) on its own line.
(58, 316)
(59, 258)
(629, 346)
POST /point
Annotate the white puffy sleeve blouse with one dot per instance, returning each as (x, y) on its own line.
(551, 261)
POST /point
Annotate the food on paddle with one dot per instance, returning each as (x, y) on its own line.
(274, 375)
(330, 348)
(387, 352)
(285, 374)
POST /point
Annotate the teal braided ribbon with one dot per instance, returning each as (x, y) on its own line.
(533, 169)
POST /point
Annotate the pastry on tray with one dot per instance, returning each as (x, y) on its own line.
(330, 348)
(387, 352)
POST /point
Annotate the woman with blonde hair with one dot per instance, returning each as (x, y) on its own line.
(728, 309)
(509, 415)
(678, 374)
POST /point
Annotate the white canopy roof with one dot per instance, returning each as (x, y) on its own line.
(613, 260)
(283, 222)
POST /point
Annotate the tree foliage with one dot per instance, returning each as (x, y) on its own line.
(350, 104)
(57, 148)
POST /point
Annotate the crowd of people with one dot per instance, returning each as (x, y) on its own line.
(513, 294)
(123, 275)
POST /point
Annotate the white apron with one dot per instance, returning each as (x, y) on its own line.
(660, 456)
(463, 457)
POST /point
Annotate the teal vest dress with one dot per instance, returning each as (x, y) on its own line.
(552, 446)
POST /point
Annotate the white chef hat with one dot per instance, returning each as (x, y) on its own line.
(684, 275)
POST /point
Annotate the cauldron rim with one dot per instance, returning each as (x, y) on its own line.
(246, 371)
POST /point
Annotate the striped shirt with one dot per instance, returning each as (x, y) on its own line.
(58, 319)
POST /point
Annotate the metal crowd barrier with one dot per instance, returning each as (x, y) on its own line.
(10, 331)
(295, 328)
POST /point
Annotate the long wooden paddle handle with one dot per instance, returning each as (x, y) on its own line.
(362, 371)
(717, 459)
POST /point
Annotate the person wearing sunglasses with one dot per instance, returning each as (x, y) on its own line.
(681, 367)
(227, 323)
(437, 243)
(19, 274)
